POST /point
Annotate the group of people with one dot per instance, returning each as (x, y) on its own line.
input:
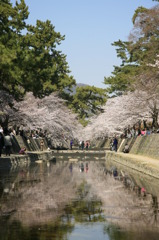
(135, 132)
(139, 129)
(142, 128)
(6, 140)
(82, 145)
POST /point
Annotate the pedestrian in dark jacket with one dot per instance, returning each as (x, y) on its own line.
(71, 144)
(115, 144)
(82, 145)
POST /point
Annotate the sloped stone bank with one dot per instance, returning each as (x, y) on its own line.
(146, 146)
(144, 164)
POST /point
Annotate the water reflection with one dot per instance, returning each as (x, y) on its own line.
(145, 187)
(75, 200)
(35, 216)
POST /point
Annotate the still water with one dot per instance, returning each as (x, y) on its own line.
(78, 200)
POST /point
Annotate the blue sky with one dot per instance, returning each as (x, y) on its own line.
(89, 26)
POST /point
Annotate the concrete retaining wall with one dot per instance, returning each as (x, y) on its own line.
(18, 142)
(123, 142)
(18, 160)
(135, 162)
(136, 174)
(146, 146)
(107, 144)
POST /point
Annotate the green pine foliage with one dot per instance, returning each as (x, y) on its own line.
(30, 61)
(138, 55)
(87, 101)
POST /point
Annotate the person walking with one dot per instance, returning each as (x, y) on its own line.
(82, 145)
(7, 143)
(115, 144)
(42, 145)
(71, 144)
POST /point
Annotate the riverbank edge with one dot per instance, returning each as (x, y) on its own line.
(136, 162)
(16, 159)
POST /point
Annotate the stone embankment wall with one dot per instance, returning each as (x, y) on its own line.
(146, 146)
(143, 156)
(34, 152)
(34, 145)
(139, 173)
(103, 143)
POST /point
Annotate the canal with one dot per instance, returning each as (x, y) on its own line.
(77, 198)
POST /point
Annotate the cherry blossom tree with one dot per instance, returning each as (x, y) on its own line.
(49, 113)
(119, 113)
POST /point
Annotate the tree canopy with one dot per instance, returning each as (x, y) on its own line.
(139, 55)
(140, 60)
(87, 101)
(30, 60)
(119, 113)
